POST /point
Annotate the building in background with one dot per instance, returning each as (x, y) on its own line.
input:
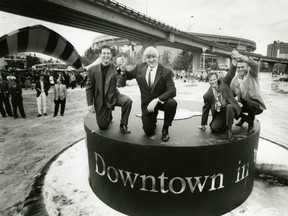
(277, 49)
(15, 61)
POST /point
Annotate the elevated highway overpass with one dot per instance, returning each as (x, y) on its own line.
(112, 18)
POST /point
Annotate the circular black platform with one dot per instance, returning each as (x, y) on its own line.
(195, 173)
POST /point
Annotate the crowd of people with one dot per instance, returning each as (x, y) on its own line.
(13, 82)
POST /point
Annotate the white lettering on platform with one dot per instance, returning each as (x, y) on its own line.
(242, 172)
(161, 183)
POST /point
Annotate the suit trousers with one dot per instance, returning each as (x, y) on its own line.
(5, 100)
(41, 102)
(149, 120)
(62, 103)
(104, 116)
(223, 120)
(18, 103)
(251, 107)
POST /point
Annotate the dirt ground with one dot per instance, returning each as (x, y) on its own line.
(30, 143)
(26, 145)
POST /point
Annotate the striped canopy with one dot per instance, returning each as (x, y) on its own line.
(40, 39)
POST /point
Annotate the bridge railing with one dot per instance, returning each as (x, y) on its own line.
(141, 17)
(116, 6)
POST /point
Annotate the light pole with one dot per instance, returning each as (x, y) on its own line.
(190, 18)
(219, 29)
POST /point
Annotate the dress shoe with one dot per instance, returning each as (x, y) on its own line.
(45, 114)
(54, 115)
(124, 129)
(15, 117)
(165, 136)
(230, 135)
(251, 129)
(39, 115)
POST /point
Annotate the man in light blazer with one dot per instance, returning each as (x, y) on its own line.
(60, 95)
(246, 86)
(220, 100)
(157, 91)
(102, 93)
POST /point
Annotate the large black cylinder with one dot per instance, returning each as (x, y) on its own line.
(195, 173)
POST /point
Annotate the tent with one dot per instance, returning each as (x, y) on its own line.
(40, 39)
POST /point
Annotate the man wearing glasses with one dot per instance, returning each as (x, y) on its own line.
(157, 91)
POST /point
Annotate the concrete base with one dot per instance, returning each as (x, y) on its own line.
(66, 189)
(196, 172)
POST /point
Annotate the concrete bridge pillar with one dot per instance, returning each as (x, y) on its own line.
(196, 61)
(271, 66)
(286, 69)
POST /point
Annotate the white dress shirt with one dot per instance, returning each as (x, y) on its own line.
(153, 74)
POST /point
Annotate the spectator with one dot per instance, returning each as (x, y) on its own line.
(60, 95)
(4, 98)
(42, 88)
(17, 99)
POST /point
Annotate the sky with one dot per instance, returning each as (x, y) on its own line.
(262, 21)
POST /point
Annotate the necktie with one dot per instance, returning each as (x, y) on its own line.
(59, 90)
(218, 100)
(150, 77)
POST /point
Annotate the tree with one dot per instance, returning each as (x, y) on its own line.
(32, 60)
(90, 56)
(165, 59)
(184, 61)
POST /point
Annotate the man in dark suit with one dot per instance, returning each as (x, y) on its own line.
(220, 100)
(17, 99)
(157, 91)
(102, 93)
(4, 98)
(42, 88)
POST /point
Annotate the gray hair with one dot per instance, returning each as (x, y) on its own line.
(150, 51)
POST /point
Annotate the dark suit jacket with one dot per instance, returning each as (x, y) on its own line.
(224, 88)
(16, 93)
(94, 87)
(163, 88)
(38, 87)
(4, 87)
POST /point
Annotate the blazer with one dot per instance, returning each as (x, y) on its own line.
(224, 88)
(250, 84)
(4, 87)
(62, 94)
(163, 87)
(94, 87)
(38, 88)
(16, 93)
